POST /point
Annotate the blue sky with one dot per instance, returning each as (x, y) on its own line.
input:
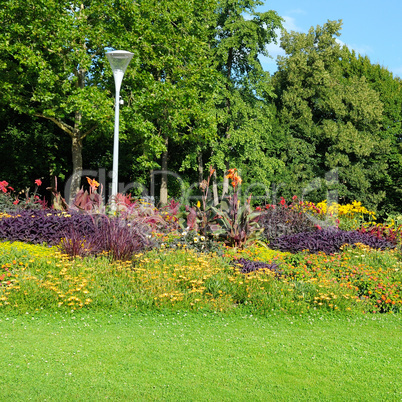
(370, 27)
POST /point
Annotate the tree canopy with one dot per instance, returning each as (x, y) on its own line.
(333, 118)
(196, 94)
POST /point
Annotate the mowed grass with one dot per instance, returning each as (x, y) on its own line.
(198, 357)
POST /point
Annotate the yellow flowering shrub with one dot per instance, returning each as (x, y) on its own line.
(348, 217)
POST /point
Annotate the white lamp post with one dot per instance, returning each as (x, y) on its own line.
(118, 60)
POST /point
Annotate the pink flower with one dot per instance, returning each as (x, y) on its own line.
(38, 182)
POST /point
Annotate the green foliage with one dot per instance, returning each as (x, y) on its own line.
(31, 148)
(190, 240)
(333, 120)
(244, 114)
(195, 92)
(389, 89)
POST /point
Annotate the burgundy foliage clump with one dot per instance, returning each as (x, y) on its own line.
(44, 226)
(284, 219)
(119, 237)
(328, 241)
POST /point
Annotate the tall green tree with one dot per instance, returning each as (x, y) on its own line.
(173, 90)
(238, 40)
(332, 120)
(52, 63)
(389, 89)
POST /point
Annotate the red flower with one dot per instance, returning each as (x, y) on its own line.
(3, 185)
(16, 201)
(38, 182)
(283, 201)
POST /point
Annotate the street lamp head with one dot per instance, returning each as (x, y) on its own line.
(119, 60)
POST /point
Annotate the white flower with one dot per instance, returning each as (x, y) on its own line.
(195, 239)
(202, 238)
(184, 233)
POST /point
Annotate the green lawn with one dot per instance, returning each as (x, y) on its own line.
(195, 357)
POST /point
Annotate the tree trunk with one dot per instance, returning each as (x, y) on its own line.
(164, 180)
(76, 150)
(225, 187)
(215, 189)
(200, 167)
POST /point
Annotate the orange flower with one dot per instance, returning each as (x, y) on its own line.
(93, 183)
(236, 180)
(232, 173)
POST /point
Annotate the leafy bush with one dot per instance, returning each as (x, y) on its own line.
(327, 240)
(190, 239)
(393, 235)
(238, 224)
(91, 201)
(285, 219)
(11, 202)
(43, 226)
(158, 220)
(347, 217)
(246, 266)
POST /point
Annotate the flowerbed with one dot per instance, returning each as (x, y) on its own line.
(226, 259)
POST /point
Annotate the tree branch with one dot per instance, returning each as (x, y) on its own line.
(89, 131)
(65, 127)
